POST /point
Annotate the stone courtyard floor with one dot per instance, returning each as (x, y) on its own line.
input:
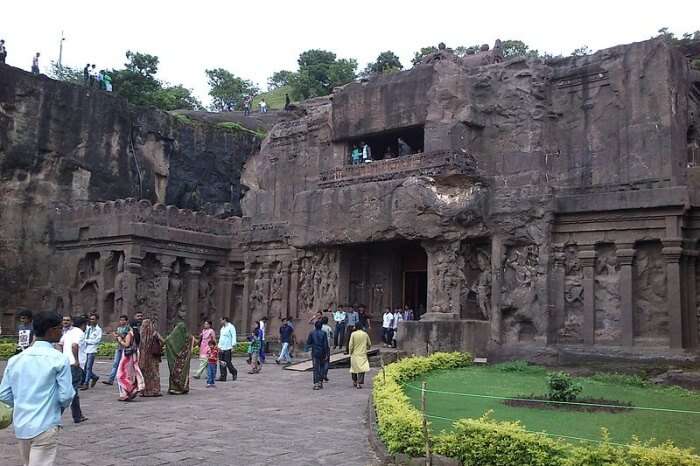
(270, 418)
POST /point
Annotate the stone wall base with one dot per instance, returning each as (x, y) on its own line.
(421, 338)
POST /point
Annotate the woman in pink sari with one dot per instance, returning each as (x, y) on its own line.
(129, 377)
(204, 338)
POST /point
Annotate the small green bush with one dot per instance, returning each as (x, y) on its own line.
(7, 350)
(106, 349)
(562, 387)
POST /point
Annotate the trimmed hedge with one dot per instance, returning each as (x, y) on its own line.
(485, 441)
(7, 350)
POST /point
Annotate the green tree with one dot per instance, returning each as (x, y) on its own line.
(582, 51)
(279, 79)
(518, 48)
(319, 72)
(422, 53)
(138, 83)
(65, 73)
(386, 62)
(226, 90)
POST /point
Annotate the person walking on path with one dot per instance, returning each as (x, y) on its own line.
(263, 106)
(287, 340)
(339, 317)
(329, 335)
(70, 345)
(35, 64)
(93, 337)
(129, 376)
(205, 337)
(263, 335)
(212, 359)
(254, 349)
(317, 342)
(38, 384)
(359, 345)
(25, 332)
(353, 317)
(3, 51)
(227, 341)
(178, 351)
(150, 354)
(398, 317)
(122, 330)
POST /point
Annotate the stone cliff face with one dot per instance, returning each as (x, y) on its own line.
(65, 144)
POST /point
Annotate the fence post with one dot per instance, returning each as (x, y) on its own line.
(428, 456)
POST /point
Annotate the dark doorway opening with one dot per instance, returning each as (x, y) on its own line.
(385, 145)
(415, 291)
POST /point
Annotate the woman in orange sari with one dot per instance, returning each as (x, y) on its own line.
(150, 351)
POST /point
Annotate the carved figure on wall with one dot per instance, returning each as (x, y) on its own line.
(447, 273)
(256, 300)
(277, 282)
(148, 295)
(88, 283)
(523, 317)
(651, 313)
(483, 285)
(206, 293)
(174, 298)
(119, 287)
(571, 328)
(607, 295)
(306, 284)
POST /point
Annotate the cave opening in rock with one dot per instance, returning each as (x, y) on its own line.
(387, 274)
(385, 145)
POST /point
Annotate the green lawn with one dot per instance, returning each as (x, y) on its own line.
(273, 98)
(682, 429)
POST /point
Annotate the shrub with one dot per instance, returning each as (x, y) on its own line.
(562, 387)
(7, 350)
(106, 349)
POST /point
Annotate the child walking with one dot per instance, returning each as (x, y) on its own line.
(254, 346)
(212, 359)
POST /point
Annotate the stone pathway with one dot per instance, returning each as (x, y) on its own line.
(271, 418)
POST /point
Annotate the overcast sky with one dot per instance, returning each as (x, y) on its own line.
(255, 38)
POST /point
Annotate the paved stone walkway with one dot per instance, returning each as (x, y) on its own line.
(270, 418)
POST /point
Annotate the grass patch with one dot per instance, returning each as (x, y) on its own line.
(233, 126)
(514, 380)
(274, 98)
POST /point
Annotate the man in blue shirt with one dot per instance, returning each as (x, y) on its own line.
(227, 341)
(287, 340)
(38, 383)
(317, 343)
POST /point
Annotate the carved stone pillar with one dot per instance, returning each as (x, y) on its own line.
(497, 255)
(102, 286)
(445, 280)
(672, 252)
(691, 319)
(586, 256)
(224, 291)
(625, 257)
(248, 284)
(192, 292)
(166, 268)
(285, 311)
(556, 307)
(132, 269)
(293, 310)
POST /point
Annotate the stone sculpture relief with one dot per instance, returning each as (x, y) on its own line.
(571, 330)
(148, 296)
(257, 302)
(478, 276)
(306, 285)
(206, 293)
(175, 303)
(277, 298)
(523, 319)
(446, 275)
(87, 282)
(607, 295)
(651, 315)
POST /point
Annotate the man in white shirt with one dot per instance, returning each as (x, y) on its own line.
(70, 345)
(227, 343)
(339, 318)
(398, 317)
(387, 320)
(93, 337)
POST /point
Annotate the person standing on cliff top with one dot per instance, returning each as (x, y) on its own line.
(35, 64)
(3, 51)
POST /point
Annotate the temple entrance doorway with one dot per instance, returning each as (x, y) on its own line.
(385, 274)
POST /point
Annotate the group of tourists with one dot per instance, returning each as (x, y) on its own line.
(390, 323)
(362, 153)
(97, 79)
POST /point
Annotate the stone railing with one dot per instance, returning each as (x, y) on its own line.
(422, 164)
(263, 232)
(135, 211)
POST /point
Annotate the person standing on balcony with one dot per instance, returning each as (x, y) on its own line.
(404, 149)
(366, 153)
(356, 155)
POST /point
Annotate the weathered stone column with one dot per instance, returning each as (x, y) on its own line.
(102, 286)
(691, 325)
(586, 256)
(625, 257)
(497, 253)
(132, 269)
(192, 292)
(224, 291)
(248, 284)
(445, 280)
(555, 292)
(672, 252)
(293, 309)
(285, 311)
(166, 263)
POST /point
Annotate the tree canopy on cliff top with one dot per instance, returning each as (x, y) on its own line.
(319, 72)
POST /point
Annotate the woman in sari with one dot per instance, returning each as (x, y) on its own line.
(129, 377)
(178, 350)
(205, 337)
(149, 358)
